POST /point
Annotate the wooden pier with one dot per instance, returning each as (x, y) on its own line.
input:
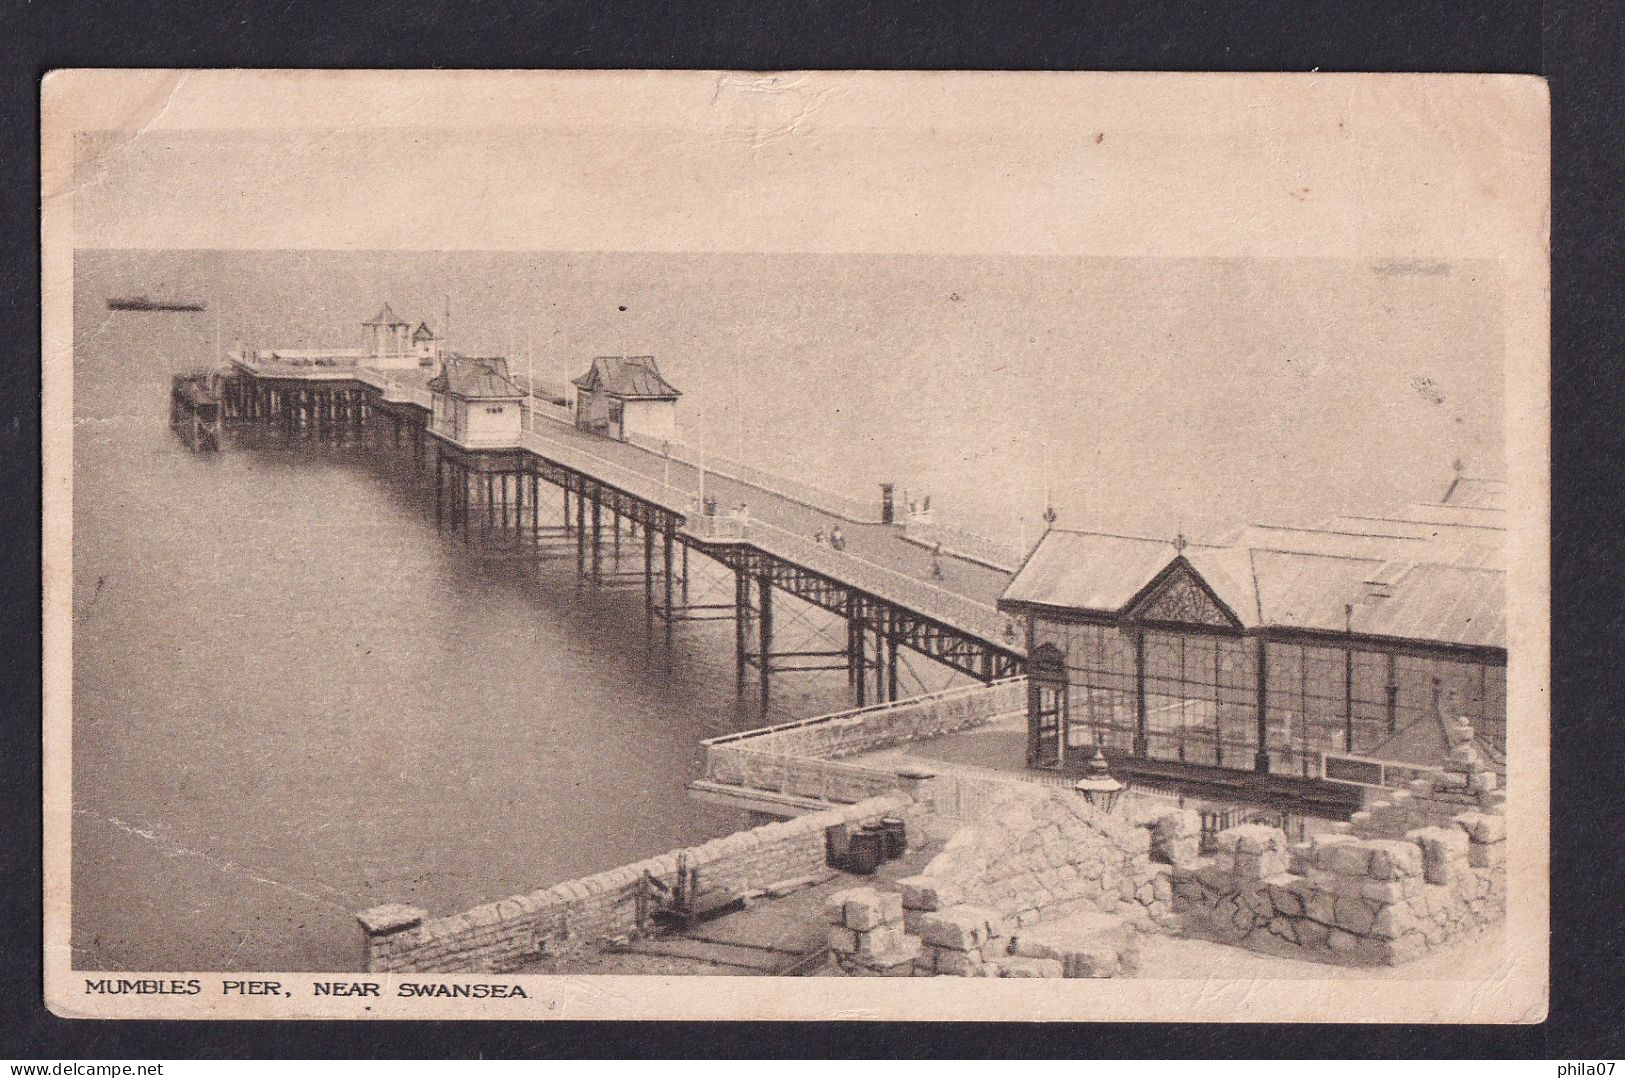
(196, 411)
(559, 493)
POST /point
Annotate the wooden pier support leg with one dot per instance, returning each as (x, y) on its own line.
(615, 526)
(581, 536)
(597, 535)
(666, 555)
(741, 628)
(891, 660)
(466, 485)
(490, 502)
(880, 665)
(859, 662)
(648, 580)
(764, 640)
(535, 509)
(566, 510)
(685, 574)
(851, 650)
(439, 491)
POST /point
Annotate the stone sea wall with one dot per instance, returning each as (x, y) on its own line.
(504, 935)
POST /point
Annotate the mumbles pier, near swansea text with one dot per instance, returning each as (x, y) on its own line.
(808, 542)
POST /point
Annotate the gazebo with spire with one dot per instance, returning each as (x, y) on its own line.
(387, 339)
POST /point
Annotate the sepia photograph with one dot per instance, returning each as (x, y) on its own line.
(516, 542)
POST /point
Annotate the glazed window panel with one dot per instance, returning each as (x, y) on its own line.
(1370, 701)
(1238, 703)
(1322, 699)
(1287, 719)
(1183, 697)
(1102, 702)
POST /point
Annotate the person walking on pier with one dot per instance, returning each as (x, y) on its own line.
(837, 538)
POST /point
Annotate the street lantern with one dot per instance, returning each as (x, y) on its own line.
(1097, 786)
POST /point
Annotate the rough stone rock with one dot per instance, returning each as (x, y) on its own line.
(1321, 906)
(835, 903)
(1392, 859)
(1016, 966)
(842, 940)
(1257, 838)
(1312, 933)
(1483, 827)
(1176, 837)
(1093, 962)
(1282, 928)
(959, 928)
(1284, 896)
(1487, 854)
(1355, 915)
(1393, 921)
(1443, 849)
(954, 963)
(880, 940)
(866, 911)
(1383, 891)
(898, 954)
(1345, 858)
(1340, 942)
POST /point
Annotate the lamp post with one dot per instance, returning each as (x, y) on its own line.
(1098, 787)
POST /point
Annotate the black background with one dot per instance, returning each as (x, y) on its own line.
(1577, 46)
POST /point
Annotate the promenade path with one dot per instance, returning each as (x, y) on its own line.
(878, 544)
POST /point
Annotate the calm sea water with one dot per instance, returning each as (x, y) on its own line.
(294, 700)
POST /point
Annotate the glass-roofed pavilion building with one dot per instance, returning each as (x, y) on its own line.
(1294, 663)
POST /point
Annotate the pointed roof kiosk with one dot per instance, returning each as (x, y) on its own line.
(626, 397)
(475, 403)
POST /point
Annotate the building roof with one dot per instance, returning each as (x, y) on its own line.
(1441, 544)
(1476, 493)
(1415, 589)
(1436, 513)
(385, 317)
(627, 377)
(423, 333)
(475, 378)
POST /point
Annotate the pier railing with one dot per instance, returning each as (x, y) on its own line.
(652, 489)
(962, 543)
(982, 620)
(808, 494)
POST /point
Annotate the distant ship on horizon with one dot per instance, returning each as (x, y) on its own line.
(145, 303)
